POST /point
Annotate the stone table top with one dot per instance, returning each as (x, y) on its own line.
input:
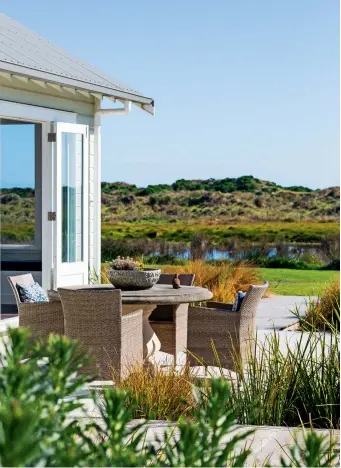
(158, 294)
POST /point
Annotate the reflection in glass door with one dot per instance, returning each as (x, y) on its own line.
(72, 197)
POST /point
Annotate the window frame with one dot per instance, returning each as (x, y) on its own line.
(44, 116)
(36, 245)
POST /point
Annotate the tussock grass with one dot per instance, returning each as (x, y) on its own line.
(324, 311)
(277, 384)
(289, 384)
(159, 393)
(223, 280)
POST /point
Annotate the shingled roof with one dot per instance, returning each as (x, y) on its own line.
(25, 53)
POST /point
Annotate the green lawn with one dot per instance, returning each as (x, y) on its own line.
(219, 232)
(297, 282)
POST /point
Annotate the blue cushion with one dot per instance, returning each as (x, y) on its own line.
(238, 301)
(32, 293)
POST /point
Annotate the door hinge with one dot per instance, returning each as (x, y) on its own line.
(51, 137)
(51, 216)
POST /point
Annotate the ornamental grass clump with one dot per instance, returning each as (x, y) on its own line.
(323, 312)
(223, 280)
(288, 384)
(157, 393)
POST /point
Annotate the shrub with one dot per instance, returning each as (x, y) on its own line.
(333, 265)
(114, 248)
(163, 259)
(330, 245)
(285, 262)
(259, 202)
(151, 189)
(34, 401)
(10, 199)
(37, 428)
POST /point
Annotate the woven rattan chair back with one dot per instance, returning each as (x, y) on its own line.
(247, 315)
(164, 313)
(186, 279)
(21, 279)
(94, 318)
(249, 307)
(41, 318)
(229, 331)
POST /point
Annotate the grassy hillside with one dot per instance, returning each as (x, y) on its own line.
(245, 208)
(241, 199)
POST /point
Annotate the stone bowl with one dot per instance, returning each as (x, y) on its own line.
(134, 279)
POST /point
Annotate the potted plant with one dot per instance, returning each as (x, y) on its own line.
(126, 273)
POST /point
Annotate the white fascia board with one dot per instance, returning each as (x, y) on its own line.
(37, 114)
(62, 80)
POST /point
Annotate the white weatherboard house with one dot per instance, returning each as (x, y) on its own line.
(52, 101)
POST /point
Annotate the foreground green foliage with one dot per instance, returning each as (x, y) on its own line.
(316, 452)
(38, 395)
(33, 401)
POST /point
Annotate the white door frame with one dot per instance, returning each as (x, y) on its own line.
(45, 116)
(70, 272)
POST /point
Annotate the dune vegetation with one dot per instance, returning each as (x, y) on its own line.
(243, 208)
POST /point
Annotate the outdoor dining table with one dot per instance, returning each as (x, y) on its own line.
(148, 299)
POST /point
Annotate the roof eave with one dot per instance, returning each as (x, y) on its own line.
(145, 103)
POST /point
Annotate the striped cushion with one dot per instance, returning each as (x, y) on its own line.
(32, 293)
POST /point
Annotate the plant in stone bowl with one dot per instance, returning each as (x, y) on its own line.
(125, 264)
(126, 273)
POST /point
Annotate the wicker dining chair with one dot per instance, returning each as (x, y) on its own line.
(42, 318)
(169, 322)
(229, 331)
(113, 341)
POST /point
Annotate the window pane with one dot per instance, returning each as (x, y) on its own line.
(72, 197)
(17, 173)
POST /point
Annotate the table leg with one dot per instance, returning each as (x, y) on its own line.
(180, 319)
(151, 343)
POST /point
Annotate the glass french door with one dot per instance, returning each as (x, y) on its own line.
(71, 195)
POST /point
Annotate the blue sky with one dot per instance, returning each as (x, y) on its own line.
(241, 87)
